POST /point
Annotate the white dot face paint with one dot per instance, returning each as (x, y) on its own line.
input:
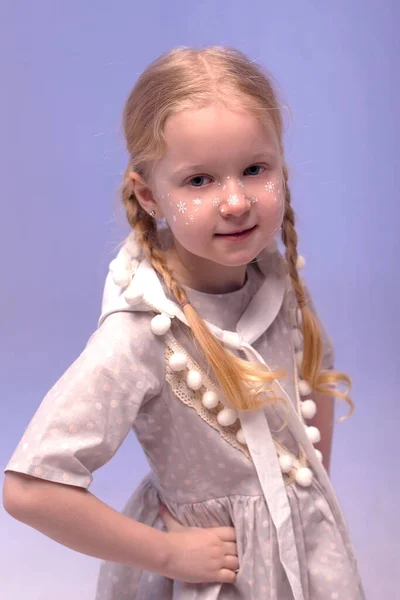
(220, 176)
(236, 194)
(270, 186)
(246, 200)
(182, 207)
(233, 200)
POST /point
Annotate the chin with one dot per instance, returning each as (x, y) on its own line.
(237, 261)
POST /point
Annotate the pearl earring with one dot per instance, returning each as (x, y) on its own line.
(153, 213)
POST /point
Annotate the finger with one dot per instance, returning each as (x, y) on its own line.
(227, 576)
(230, 548)
(231, 563)
(170, 523)
(226, 534)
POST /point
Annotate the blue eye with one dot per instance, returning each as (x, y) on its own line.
(252, 167)
(197, 181)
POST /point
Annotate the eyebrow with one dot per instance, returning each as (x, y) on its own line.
(191, 168)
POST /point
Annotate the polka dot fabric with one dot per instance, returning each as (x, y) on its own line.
(118, 384)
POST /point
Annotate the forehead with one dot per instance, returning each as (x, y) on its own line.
(215, 134)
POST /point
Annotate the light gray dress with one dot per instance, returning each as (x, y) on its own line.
(292, 540)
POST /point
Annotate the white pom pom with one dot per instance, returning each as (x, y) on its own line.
(178, 361)
(210, 399)
(240, 437)
(194, 380)
(308, 409)
(304, 387)
(304, 476)
(297, 338)
(286, 463)
(299, 359)
(160, 324)
(121, 277)
(301, 262)
(133, 296)
(313, 434)
(319, 454)
(227, 417)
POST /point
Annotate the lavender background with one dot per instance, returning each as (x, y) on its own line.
(66, 69)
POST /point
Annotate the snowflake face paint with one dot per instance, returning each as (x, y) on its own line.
(219, 184)
(247, 191)
(270, 187)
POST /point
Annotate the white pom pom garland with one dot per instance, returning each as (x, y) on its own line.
(304, 387)
(308, 409)
(227, 417)
(178, 361)
(313, 434)
(319, 454)
(194, 380)
(286, 463)
(240, 437)
(160, 324)
(210, 400)
(304, 477)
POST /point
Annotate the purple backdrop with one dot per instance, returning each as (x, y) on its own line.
(66, 71)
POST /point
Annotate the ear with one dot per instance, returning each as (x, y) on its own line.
(144, 195)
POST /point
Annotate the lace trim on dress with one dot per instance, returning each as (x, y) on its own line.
(193, 399)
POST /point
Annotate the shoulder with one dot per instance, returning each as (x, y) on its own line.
(124, 342)
(127, 329)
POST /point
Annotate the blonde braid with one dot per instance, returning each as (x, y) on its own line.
(321, 381)
(236, 377)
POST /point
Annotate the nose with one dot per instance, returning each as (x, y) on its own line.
(234, 201)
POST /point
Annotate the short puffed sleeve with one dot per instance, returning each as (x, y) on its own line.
(86, 416)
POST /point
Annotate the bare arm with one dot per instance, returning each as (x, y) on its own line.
(324, 420)
(75, 518)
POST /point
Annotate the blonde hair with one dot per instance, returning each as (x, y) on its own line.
(188, 78)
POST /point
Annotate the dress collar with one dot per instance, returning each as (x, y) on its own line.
(143, 285)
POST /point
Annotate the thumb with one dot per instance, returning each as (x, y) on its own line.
(170, 523)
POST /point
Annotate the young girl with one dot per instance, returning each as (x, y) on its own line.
(209, 347)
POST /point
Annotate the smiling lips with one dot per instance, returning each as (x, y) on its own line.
(237, 234)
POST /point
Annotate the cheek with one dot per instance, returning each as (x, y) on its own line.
(271, 208)
(186, 212)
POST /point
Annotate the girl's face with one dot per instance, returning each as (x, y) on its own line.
(219, 187)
